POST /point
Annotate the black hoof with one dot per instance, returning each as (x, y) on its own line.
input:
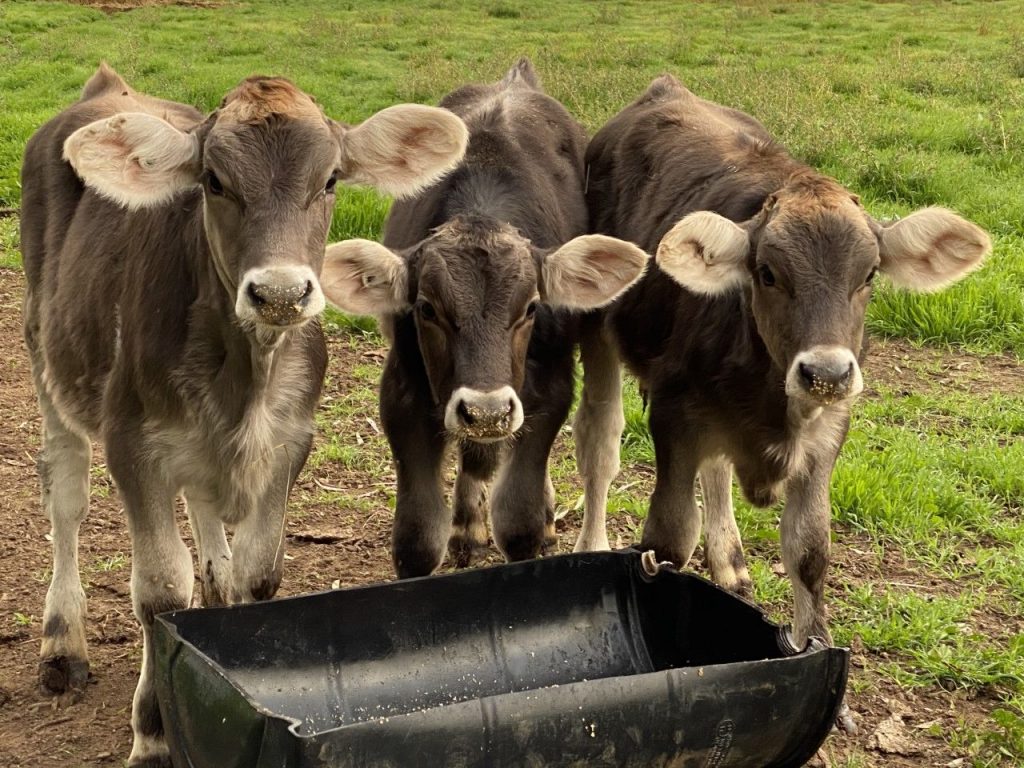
(61, 674)
(463, 553)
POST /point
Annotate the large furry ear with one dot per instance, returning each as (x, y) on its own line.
(590, 271)
(403, 149)
(135, 159)
(705, 253)
(930, 249)
(364, 278)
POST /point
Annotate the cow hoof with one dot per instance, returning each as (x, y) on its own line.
(163, 761)
(61, 674)
(664, 554)
(463, 552)
(549, 546)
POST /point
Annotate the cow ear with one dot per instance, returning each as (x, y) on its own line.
(590, 271)
(930, 249)
(705, 253)
(364, 278)
(135, 159)
(403, 149)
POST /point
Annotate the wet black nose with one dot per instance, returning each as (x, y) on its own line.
(485, 418)
(830, 378)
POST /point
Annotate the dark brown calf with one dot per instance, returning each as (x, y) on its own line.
(747, 334)
(474, 296)
(172, 262)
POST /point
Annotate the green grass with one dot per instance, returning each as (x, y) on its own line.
(908, 104)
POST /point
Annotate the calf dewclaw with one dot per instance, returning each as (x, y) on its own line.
(173, 263)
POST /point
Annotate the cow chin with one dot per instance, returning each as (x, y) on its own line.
(821, 376)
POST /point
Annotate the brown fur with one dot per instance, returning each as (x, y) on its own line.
(472, 244)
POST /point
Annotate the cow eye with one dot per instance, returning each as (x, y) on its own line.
(427, 311)
(765, 273)
(213, 183)
(531, 310)
(331, 182)
(871, 276)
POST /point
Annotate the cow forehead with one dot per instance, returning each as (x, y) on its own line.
(257, 98)
(469, 273)
(836, 232)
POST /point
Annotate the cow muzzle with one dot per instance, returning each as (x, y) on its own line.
(823, 375)
(279, 296)
(484, 417)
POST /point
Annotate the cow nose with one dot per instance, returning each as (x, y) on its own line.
(830, 376)
(824, 374)
(282, 296)
(268, 293)
(484, 416)
(826, 380)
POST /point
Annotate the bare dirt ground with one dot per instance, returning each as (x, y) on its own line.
(326, 545)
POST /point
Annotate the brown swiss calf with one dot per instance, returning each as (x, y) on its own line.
(173, 265)
(747, 335)
(475, 290)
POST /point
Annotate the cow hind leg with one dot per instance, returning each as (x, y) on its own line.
(468, 540)
(597, 430)
(64, 475)
(723, 548)
(550, 543)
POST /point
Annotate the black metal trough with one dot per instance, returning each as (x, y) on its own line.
(580, 660)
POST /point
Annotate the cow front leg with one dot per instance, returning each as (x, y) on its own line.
(468, 541)
(212, 553)
(597, 431)
(805, 552)
(257, 556)
(522, 518)
(64, 476)
(422, 518)
(162, 580)
(673, 520)
(723, 548)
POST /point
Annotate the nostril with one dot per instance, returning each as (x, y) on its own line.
(807, 375)
(463, 413)
(255, 295)
(844, 377)
(308, 290)
(509, 407)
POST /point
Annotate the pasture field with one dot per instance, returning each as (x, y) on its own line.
(908, 104)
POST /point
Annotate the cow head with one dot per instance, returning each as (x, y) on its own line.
(474, 288)
(808, 259)
(267, 161)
